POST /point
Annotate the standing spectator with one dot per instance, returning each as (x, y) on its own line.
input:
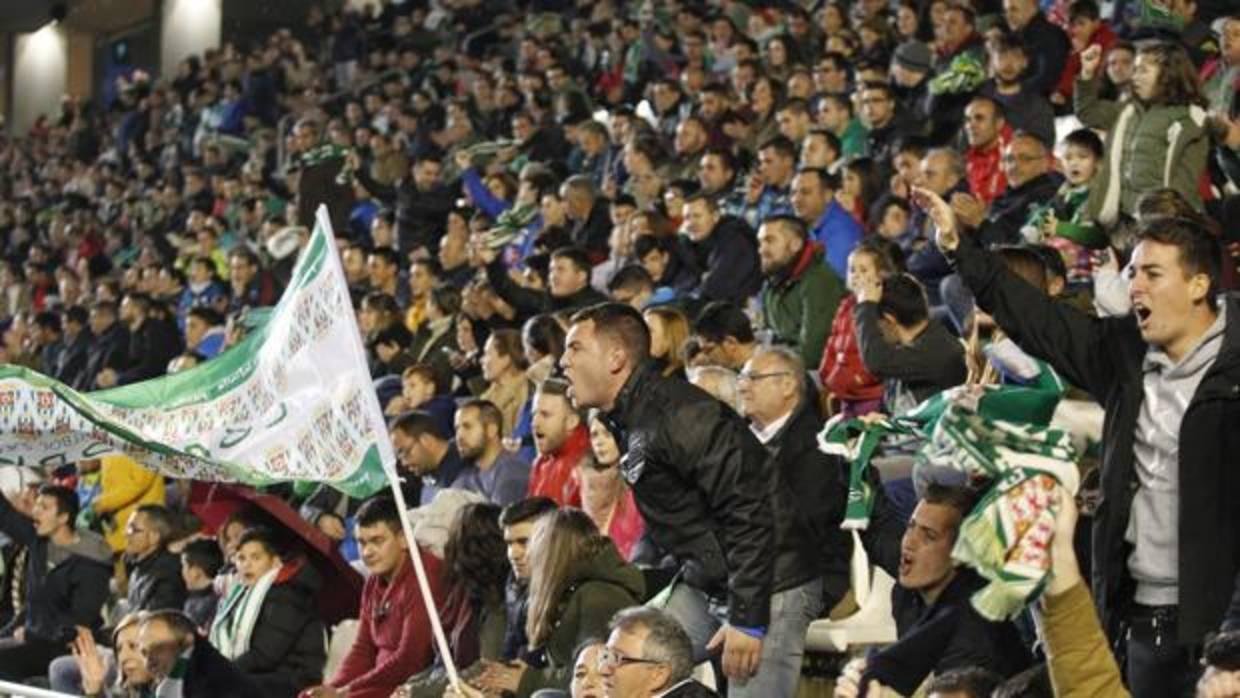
(808, 489)
(66, 581)
(421, 200)
(801, 293)
(201, 561)
(392, 640)
(492, 471)
(698, 478)
(568, 283)
(1168, 579)
(561, 440)
(1025, 108)
(1158, 139)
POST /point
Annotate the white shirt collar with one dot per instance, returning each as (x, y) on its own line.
(669, 689)
(771, 430)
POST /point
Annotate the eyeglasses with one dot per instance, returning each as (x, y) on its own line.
(746, 377)
(611, 659)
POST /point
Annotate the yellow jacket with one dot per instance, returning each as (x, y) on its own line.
(125, 486)
(1081, 663)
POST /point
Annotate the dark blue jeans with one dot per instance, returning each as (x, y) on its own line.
(1158, 666)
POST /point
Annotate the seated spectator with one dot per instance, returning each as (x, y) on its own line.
(251, 285)
(71, 363)
(109, 351)
(153, 341)
(668, 261)
(203, 289)
(503, 367)
(472, 610)
(844, 377)
(936, 625)
(800, 293)
(429, 453)
(422, 388)
(724, 336)
(987, 133)
(725, 248)
(971, 682)
(577, 581)
(1025, 108)
(385, 335)
(914, 356)
(669, 330)
(648, 654)
(561, 440)
(767, 191)
(184, 664)
(1066, 225)
(568, 282)
(392, 641)
(830, 226)
(153, 571)
(1031, 184)
(201, 561)
(66, 581)
(122, 675)
(267, 623)
(605, 496)
(633, 285)
(204, 332)
(491, 470)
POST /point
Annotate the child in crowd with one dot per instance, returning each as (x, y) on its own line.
(201, 560)
(1064, 223)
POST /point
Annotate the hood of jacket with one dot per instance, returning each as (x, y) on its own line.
(92, 546)
(607, 566)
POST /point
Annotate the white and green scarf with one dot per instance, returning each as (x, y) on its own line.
(1001, 439)
(173, 686)
(238, 614)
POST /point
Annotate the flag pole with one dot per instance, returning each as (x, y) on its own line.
(389, 471)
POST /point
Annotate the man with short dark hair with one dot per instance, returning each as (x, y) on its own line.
(421, 200)
(766, 191)
(517, 521)
(698, 477)
(110, 349)
(71, 365)
(153, 342)
(393, 639)
(936, 625)
(591, 221)
(968, 682)
(725, 336)
(49, 341)
(801, 293)
(491, 470)
(431, 456)
(648, 655)
(724, 247)
(830, 226)
(252, 286)
(901, 346)
(67, 574)
(568, 283)
(1165, 561)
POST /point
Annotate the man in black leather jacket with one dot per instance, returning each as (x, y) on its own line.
(698, 476)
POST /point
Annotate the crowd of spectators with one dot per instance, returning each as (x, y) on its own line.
(614, 265)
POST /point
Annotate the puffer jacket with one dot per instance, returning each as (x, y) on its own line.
(287, 648)
(124, 486)
(596, 588)
(1148, 147)
(798, 301)
(701, 484)
(842, 371)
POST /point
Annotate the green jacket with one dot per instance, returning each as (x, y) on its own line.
(1148, 147)
(799, 303)
(597, 588)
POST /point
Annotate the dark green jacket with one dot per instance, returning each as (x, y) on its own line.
(597, 588)
(799, 303)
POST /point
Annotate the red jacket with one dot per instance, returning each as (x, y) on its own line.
(1104, 37)
(985, 173)
(554, 475)
(842, 372)
(394, 638)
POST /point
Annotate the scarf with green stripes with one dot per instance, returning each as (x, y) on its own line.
(1000, 438)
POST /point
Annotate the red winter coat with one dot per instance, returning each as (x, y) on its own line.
(842, 371)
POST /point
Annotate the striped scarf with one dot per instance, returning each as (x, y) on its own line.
(1000, 439)
(238, 614)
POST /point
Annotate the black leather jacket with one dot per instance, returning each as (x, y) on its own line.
(700, 481)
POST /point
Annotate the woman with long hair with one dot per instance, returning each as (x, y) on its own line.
(669, 330)
(577, 583)
(1160, 138)
(475, 571)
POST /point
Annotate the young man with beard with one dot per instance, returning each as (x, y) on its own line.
(562, 440)
(1166, 543)
(801, 293)
(1026, 109)
(491, 470)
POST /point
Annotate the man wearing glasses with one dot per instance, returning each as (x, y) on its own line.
(648, 655)
(809, 489)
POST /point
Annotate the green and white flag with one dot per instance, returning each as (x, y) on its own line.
(292, 401)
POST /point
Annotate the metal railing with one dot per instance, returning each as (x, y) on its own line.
(20, 691)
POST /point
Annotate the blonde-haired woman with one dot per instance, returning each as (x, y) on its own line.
(577, 583)
(669, 330)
